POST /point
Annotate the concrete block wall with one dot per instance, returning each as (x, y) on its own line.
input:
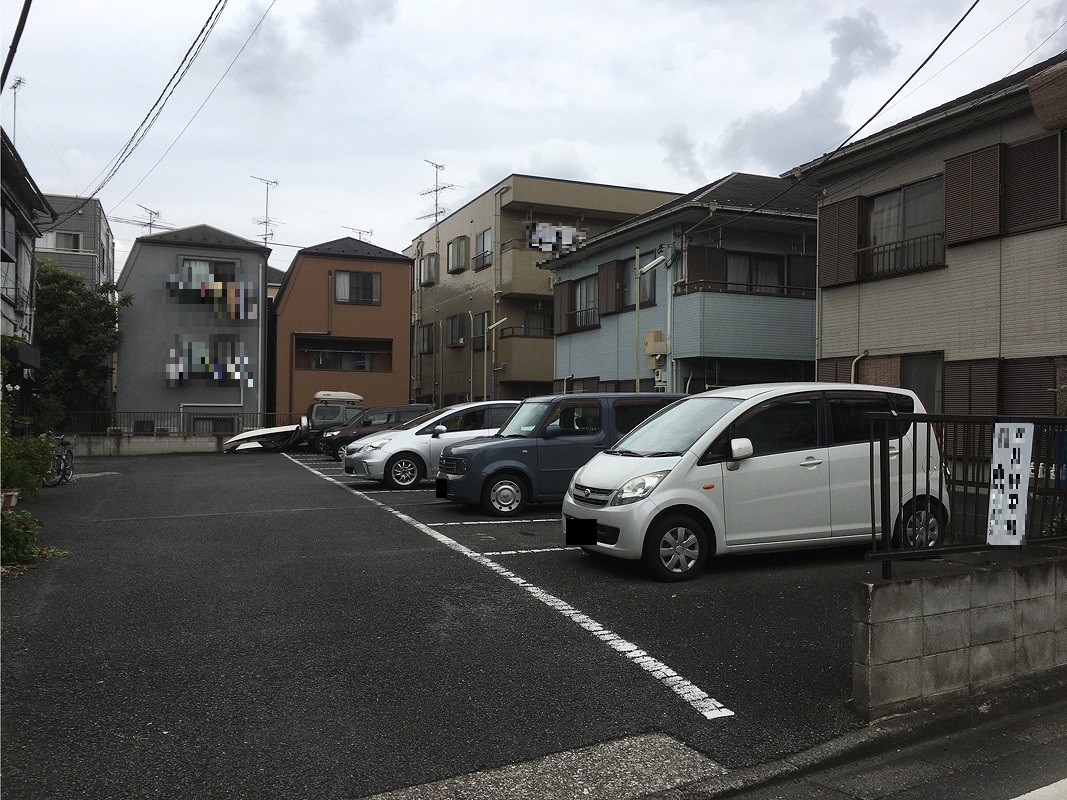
(126, 444)
(923, 640)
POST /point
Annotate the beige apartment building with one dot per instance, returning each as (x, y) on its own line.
(476, 280)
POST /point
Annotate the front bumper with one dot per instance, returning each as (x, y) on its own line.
(466, 488)
(370, 465)
(619, 531)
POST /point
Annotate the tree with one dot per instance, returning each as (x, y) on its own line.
(76, 328)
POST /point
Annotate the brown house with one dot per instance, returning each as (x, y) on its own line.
(342, 323)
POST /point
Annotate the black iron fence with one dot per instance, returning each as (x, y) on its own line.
(937, 495)
(187, 422)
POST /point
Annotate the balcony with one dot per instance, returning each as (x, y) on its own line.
(519, 274)
(527, 353)
(899, 258)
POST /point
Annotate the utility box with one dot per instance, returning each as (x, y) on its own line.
(655, 344)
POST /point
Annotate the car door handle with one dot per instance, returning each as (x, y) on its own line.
(811, 462)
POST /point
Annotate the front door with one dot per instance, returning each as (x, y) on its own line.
(781, 492)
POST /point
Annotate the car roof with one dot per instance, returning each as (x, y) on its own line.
(546, 398)
(751, 390)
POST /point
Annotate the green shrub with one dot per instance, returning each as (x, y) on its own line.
(23, 462)
(18, 537)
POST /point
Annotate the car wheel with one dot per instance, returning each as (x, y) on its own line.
(339, 453)
(920, 524)
(403, 471)
(676, 548)
(505, 495)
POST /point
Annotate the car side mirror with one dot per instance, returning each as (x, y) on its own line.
(740, 449)
(439, 429)
(365, 423)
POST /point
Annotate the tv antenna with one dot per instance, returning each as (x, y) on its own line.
(265, 220)
(436, 190)
(151, 217)
(359, 232)
(15, 86)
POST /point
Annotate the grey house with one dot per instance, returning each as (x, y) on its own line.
(194, 340)
(726, 281)
(79, 240)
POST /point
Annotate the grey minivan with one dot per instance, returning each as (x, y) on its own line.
(532, 457)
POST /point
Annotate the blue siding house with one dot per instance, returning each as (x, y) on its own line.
(725, 278)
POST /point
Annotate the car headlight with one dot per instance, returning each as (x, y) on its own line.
(377, 444)
(331, 433)
(638, 488)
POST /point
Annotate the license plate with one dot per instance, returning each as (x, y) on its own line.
(441, 486)
(580, 531)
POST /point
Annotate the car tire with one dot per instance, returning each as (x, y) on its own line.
(505, 494)
(339, 452)
(676, 548)
(921, 525)
(403, 471)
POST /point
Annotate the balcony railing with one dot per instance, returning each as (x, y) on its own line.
(731, 287)
(899, 258)
(164, 423)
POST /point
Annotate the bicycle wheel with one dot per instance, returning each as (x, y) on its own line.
(55, 471)
(68, 465)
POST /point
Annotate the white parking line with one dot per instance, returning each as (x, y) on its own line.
(697, 698)
(490, 522)
(525, 552)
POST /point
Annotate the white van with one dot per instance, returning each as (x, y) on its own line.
(750, 469)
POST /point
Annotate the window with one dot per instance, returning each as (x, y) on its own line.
(455, 327)
(472, 419)
(428, 269)
(346, 355)
(922, 374)
(426, 339)
(905, 230)
(364, 288)
(779, 427)
(481, 322)
(458, 254)
(498, 415)
(538, 323)
(585, 303)
(755, 272)
(848, 416)
(483, 249)
(574, 418)
(59, 240)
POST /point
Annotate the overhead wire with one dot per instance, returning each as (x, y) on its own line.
(201, 107)
(153, 113)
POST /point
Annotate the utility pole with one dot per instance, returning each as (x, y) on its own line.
(265, 220)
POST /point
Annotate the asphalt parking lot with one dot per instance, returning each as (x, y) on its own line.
(262, 625)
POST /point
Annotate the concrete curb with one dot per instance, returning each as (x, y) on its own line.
(884, 734)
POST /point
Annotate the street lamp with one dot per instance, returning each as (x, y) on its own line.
(485, 355)
(638, 272)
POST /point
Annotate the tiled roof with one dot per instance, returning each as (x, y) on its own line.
(204, 235)
(746, 191)
(354, 248)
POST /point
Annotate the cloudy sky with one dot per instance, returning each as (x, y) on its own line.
(344, 102)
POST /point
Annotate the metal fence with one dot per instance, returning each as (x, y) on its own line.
(963, 445)
(163, 423)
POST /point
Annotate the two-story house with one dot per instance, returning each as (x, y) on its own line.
(25, 212)
(193, 341)
(341, 323)
(715, 288)
(943, 250)
(80, 239)
(477, 281)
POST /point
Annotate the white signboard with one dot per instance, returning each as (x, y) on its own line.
(1010, 483)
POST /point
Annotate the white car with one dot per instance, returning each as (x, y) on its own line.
(755, 468)
(402, 457)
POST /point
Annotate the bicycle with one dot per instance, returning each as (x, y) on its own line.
(61, 464)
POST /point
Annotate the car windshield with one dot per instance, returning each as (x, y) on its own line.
(676, 428)
(524, 420)
(419, 421)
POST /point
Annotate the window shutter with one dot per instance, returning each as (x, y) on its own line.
(609, 287)
(837, 370)
(972, 195)
(1032, 183)
(1028, 385)
(839, 238)
(971, 387)
(561, 302)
